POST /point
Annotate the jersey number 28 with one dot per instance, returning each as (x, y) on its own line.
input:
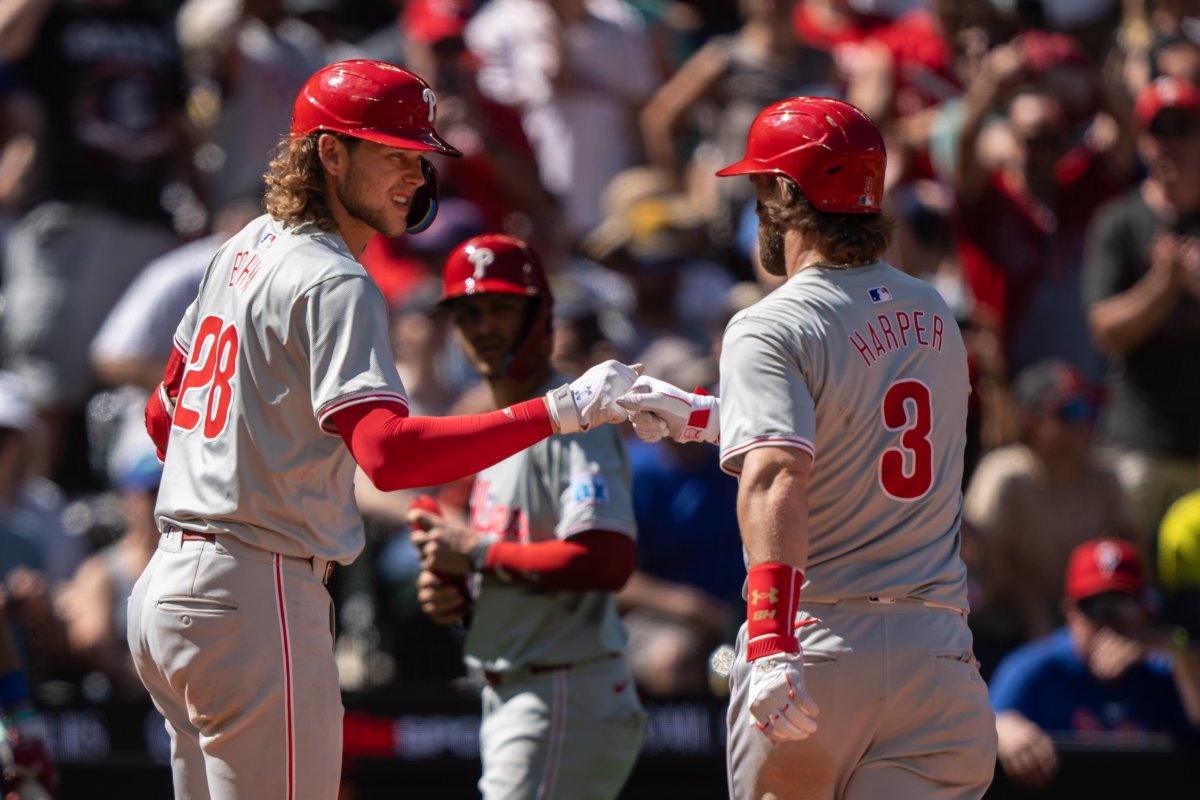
(209, 377)
(906, 472)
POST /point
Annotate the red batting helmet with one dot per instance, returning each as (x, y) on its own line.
(370, 100)
(496, 263)
(830, 148)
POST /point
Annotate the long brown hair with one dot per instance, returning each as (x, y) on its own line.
(296, 183)
(842, 238)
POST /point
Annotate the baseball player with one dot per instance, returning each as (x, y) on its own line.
(843, 402)
(550, 540)
(282, 380)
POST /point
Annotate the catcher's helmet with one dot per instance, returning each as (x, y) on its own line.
(370, 100)
(830, 148)
(496, 263)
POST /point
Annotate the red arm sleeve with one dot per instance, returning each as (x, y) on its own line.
(589, 561)
(399, 452)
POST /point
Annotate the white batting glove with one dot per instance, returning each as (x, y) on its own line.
(661, 409)
(590, 399)
(780, 706)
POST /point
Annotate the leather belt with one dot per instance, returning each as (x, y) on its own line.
(194, 536)
(497, 678)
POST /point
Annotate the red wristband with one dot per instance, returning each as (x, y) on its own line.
(772, 595)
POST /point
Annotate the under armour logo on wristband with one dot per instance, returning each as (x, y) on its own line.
(771, 597)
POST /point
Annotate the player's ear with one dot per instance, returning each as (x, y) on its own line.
(332, 153)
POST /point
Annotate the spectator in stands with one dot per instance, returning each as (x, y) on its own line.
(1110, 675)
(698, 120)
(1022, 224)
(27, 765)
(1033, 501)
(681, 601)
(1143, 299)
(135, 340)
(32, 533)
(579, 71)
(113, 185)
(498, 172)
(653, 236)
(91, 606)
(252, 56)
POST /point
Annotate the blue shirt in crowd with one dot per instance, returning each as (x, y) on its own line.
(1047, 682)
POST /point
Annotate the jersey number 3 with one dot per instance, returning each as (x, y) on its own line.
(906, 472)
(209, 377)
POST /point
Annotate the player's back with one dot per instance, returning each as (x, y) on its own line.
(285, 325)
(883, 406)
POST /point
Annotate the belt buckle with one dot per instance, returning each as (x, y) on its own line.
(875, 598)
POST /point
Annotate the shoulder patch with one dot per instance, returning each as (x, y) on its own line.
(588, 489)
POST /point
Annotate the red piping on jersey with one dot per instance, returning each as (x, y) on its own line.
(557, 727)
(289, 717)
(764, 441)
(397, 451)
(594, 561)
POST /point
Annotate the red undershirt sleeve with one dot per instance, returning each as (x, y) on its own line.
(400, 452)
(589, 561)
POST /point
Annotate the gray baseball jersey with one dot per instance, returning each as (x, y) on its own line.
(865, 369)
(230, 625)
(561, 715)
(558, 487)
(287, 329)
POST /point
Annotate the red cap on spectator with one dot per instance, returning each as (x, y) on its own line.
(1105, 565)
(1165, 93)
(431, 21)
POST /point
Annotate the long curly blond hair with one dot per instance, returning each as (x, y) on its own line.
(296, 184)
(842, 238)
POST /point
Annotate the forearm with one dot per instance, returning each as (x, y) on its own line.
(1185, 669)
(773, 516)
(20, 21)
(591, 561)
(399, 452)
(1123, 321)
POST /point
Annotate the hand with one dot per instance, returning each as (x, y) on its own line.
(444, 601)
(590, 399)
(660, 408)
(1111, 654)
(780, 706)
(445, 548)
(1025, 751)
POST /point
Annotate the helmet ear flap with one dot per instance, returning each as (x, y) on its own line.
(424, 203)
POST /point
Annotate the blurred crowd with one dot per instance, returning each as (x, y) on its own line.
(1043, 171)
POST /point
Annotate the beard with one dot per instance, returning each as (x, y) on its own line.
(770, 248)
(353, 197)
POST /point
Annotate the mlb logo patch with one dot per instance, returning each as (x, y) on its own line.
(879, 294)
(587, 489)
(266, 241)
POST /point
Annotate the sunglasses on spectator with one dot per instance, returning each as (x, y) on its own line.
(1174, 126)
(1077, 412)
(1116, 610)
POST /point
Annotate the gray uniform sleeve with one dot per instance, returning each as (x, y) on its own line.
(350, 357)
(594, 479)
(765, 401)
